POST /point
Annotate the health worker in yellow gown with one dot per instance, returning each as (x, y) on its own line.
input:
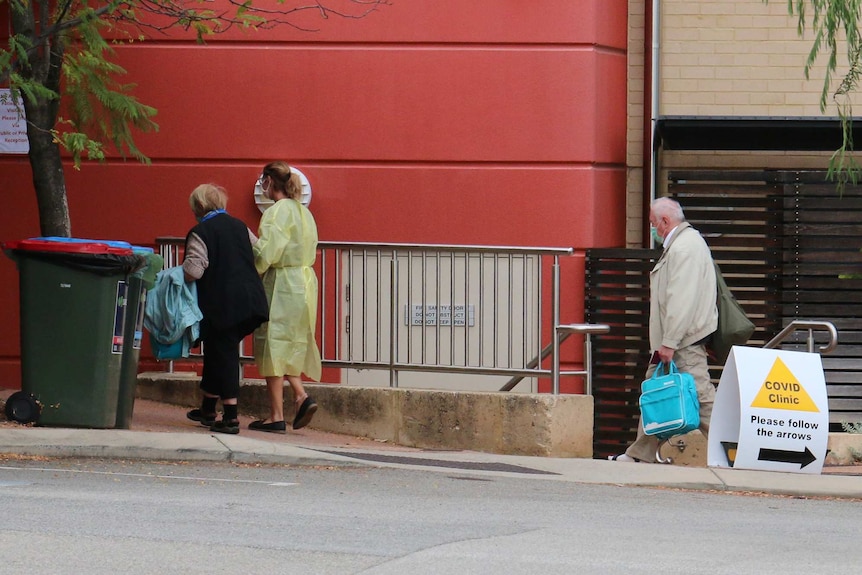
(284, 254)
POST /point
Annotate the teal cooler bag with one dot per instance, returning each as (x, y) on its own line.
(668, 403)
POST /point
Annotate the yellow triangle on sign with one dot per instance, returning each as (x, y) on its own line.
(782, 390)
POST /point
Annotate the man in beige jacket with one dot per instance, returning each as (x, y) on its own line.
(683, 313)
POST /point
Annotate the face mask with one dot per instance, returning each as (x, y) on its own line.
(654, 233)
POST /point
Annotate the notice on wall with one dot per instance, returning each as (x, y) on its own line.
(771, 412)
(13, 127)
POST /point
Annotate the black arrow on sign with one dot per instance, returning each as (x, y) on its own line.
(784, 456)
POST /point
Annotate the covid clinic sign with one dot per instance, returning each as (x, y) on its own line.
(771, 412)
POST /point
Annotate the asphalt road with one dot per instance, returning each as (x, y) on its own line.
(95, 517)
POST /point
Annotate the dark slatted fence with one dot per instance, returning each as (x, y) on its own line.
(821, 280)
(742, 223)
(617, 294)
(784, 242)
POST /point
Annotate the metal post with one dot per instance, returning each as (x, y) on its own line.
(556, 304)
(393, 319)
(588, 363)
(170, 257)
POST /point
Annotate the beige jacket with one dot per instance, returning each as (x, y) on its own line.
(682, 292)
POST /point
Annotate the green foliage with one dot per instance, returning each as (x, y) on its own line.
(71, 35)
(30, 89)
(80, 146)
(853, 427)
(101, 109)
(834, 22)
(99, 104)
(829, 21)
(58, 56)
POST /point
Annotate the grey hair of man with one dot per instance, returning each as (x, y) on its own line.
(667, 207)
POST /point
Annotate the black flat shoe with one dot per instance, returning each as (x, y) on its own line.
(198, 415)
(273, 427)
(231, 427)
(304, 413)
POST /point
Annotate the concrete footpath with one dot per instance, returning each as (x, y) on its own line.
(161, 432)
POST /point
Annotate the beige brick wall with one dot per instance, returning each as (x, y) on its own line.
(720, 58)
(735, 58)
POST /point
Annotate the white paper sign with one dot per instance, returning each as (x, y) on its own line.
(771, 412)
(13, 127)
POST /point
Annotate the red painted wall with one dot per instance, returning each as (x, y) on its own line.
(483, 122)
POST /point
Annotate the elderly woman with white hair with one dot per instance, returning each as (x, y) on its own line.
(218, 256)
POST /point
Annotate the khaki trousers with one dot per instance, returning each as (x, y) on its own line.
(691, 359)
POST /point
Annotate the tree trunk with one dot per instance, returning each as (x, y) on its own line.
(47, 167)
(44, 64)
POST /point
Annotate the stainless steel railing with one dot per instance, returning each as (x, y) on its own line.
(810, 325)
(421, 309)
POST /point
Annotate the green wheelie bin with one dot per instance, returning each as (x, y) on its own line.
(135, 292)
(71, 311)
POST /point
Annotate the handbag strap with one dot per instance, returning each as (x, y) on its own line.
(720, 284)
(671, 369)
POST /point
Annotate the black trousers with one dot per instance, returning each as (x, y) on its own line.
(221, 361)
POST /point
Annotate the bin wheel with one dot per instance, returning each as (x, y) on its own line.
(22, 407)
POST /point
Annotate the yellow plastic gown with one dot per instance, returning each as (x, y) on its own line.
(284, 254)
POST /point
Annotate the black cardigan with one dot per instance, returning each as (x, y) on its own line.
(230, 291)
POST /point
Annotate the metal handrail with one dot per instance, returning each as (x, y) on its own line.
(444, 248)
(810, 325)
(373, 255)
(346, 320)
(563, 333)
(588, 330)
